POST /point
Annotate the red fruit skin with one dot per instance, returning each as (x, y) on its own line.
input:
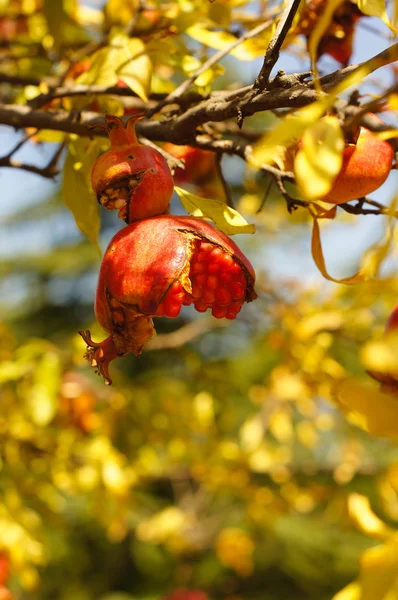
(136, 174)
(366, 166)
(150, 258)
(183, 594)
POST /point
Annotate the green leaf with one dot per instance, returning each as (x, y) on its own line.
(43, 396)
(77, 192)
(226, 218)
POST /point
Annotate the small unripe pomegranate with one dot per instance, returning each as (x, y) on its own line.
(388, 381)
(183, 594)
(153, 267)
(366, 166)
(129, 177)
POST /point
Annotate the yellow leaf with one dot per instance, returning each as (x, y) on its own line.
(382, 356)
(376, 8)
(125, 59)
(370, 263)
(388, 134)
(77, 192)
(219, 40)
(367, 407)
(226, 218)
(379, 572)
(365, 519)
(351, 592)
(320, 158)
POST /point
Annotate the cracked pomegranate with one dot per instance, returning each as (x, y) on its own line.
(155, 266)
(129, 177)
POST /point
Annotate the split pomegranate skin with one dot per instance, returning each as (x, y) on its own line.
(131, 178)
(152, 268)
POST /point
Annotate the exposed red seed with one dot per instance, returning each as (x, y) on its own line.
(216, 254)
(201, 306)
(226, 261)
(160, 310)
(226, 277)
(202, 256)
(238, 290)
(212, 282)
(233, 310)
(223, 296)
(209, 296)
(200, 279)
(235, 268)
(175, 288)
(218, 311)
(172, 310)
(199, 267)
(206, 247)
(214, 267)
(197, 291)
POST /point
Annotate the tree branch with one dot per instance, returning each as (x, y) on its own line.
(274, 47)
(185, 85)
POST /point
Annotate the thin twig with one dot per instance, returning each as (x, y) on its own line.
(185, 334)
(49, 171)
(185, 85)
(274, 47)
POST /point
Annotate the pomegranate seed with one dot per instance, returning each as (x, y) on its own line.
(212, 282)
(199, 267)
(238, 290)
(223, 296)
(172, 310)
(209, 296)
(206, 247)
(200, 279)
(201, 306)
(196, 291)
(226, 277)
(219, 311)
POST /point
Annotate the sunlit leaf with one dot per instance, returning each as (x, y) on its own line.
(125, 59)
(370, 263)
(43, 397)
(382, 356)
(351, 592)
(226, 218)
(219, 40)
(376, 8)
(367, 407)
(320, 158)
(365, 519)
(379, 572)
(77, 191)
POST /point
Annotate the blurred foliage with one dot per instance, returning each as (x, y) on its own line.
(245, 463)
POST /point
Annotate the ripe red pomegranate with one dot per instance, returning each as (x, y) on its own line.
(153, 267)
(200, 164)
(129, 177)
(183, 594)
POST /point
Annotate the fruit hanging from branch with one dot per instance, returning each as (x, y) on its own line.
(366, 163)
(131, 178)
(152, 268)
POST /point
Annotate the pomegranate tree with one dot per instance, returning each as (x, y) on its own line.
(152, 268)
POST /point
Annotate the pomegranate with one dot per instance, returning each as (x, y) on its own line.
(5, 568)
(153, 267)
(129, 177)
